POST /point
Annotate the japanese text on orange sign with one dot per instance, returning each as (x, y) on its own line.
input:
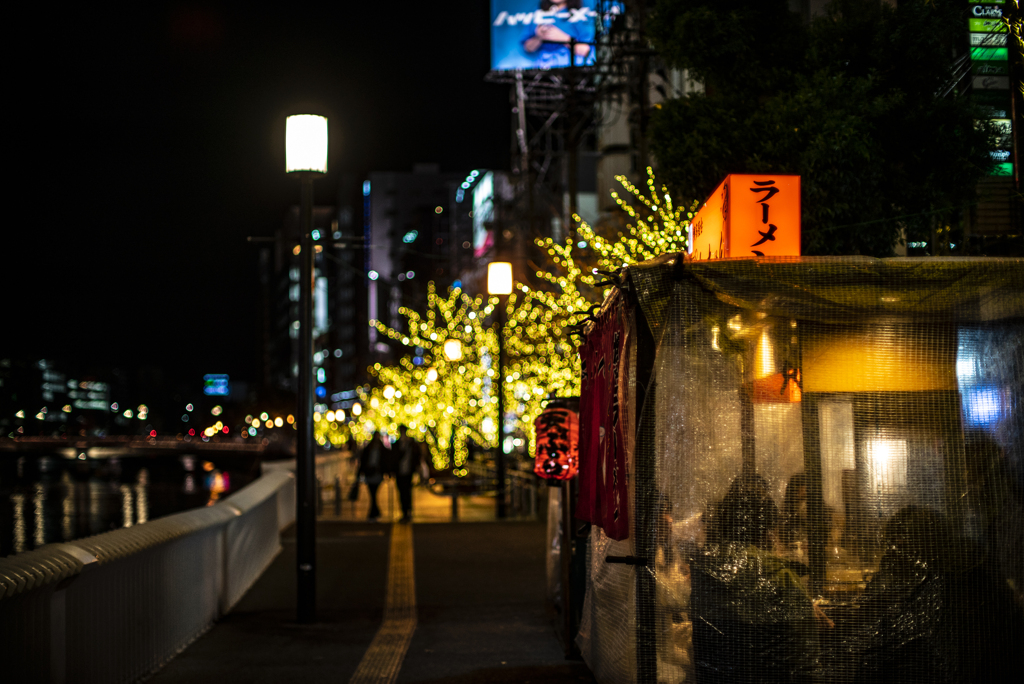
(749, 215)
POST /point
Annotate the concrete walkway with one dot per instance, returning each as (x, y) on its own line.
(427, 507)
(465, 605)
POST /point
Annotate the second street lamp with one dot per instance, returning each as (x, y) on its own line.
(499, 283)
(452, 351)
(306, 156)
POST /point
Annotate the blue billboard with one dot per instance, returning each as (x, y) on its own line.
(537, 34)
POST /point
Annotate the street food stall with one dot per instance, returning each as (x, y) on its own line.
(820, 470)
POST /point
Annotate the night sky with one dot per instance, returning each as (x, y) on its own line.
(148, 146)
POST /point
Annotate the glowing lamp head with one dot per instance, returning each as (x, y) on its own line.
(453, 349)
(431, 374)
(389, 392)
(305, 143)
(499, 278)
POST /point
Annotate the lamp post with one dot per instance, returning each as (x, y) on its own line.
(499, 283)
(306, 156)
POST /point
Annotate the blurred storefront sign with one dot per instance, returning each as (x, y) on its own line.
(990, 82)
(216, 385)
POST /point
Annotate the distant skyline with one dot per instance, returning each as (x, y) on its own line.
(149, 145)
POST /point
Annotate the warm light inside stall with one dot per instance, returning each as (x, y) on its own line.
(764, 362)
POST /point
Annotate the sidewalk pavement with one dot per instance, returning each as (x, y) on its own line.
(479, 607)
(426, 506)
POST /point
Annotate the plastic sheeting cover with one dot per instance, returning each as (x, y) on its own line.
(827, 475)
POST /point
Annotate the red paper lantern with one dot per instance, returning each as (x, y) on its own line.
(557, 453)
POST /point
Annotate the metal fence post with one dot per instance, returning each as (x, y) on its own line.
(643, 510)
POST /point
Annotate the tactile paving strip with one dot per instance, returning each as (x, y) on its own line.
(383, 659)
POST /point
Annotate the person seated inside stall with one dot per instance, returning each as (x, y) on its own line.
(793, 528)
(936, 611)
(752, 618)
(795, 523)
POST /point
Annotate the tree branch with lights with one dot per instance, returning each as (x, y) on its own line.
(659, 226)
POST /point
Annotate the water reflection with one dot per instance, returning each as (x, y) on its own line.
(19, 522)
(48, 498)
(126, 505)
(38, 500)
(141, 499)
(67, 519)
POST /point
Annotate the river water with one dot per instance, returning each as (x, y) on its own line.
(51, 498)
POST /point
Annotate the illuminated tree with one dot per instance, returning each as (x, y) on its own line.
(450, 402)
(542, 356)
(447, 400)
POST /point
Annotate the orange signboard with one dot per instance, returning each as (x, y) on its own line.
(748, 215)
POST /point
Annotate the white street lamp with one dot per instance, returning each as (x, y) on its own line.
(452, 351)
(499, 278)
(305, 143)
(306, 156)
(499, 282)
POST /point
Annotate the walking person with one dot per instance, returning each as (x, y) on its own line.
(408, 454)
(372, 464)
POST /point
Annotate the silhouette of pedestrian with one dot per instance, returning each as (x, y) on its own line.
(371, 468)
(408, 460)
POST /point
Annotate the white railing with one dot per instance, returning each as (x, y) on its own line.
(116, 606)
(332, 470)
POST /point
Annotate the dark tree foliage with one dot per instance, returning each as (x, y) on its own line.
(858, 103)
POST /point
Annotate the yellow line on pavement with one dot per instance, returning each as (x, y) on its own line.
(383, 659)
